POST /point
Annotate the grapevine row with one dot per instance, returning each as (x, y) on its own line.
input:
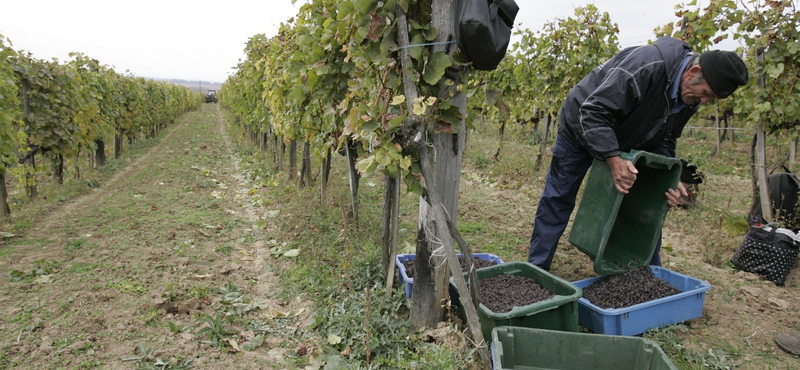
(333, 78)
(61, 110)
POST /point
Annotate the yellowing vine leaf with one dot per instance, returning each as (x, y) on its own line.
(405, 163)
(419, 108)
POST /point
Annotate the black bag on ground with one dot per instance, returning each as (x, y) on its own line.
(769, 253)
(484, 30)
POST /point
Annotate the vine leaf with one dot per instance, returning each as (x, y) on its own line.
(398, 99)
(371, 126)
(416, 51)
(365, 5)
(374, 26)
(434, 71)
(367, 164)
(345, 8)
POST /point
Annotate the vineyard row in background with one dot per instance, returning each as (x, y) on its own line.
(51, 113)
(332, 78)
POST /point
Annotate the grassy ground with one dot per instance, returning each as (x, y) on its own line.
(199, 250)
(153, 269)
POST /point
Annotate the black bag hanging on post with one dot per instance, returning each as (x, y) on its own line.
(769, 253)
(484, 30)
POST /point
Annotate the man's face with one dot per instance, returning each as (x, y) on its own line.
(694, 88)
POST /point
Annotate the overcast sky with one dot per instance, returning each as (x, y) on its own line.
(204, 40)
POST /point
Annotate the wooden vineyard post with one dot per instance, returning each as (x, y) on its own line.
(434, 224)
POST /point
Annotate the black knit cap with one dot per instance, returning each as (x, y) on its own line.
(724, 71)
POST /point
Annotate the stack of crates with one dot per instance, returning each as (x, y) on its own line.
(408, 282)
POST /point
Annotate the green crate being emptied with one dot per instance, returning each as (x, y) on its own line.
(619, 232)
(519, 348)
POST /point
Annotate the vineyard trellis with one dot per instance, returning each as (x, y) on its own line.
(333, 78)
(62, 110)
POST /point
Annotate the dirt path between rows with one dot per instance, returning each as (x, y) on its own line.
(160, 267)
(118, 181)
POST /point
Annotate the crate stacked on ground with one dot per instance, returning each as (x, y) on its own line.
(559, 312)
(407, 276)
(528, 348)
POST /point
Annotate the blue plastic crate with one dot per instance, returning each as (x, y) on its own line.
(400, 263)
(637, 319)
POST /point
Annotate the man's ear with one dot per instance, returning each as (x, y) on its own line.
(694, 71)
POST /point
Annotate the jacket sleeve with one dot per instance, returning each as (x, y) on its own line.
(620, 91)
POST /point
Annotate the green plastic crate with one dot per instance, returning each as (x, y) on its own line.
(539, 349)
(619, 231)
(557, 313)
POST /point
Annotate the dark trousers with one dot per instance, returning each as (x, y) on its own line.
(567, 170)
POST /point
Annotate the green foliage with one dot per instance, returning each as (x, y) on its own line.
(39, 268)
(343, 82)
(199, 291)
(735, 224)
(75, 244)
(10, 135)
(350, 318)
(691, 358)
(768, 31)
(129, 286)
(63, 109)
(150, 318)
(233, 300)
(174, 328)
(542, 67)
(215, 329)
(482, 161)
(224, 249)
(142, 355)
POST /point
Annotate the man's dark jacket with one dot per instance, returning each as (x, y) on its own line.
(624, 103)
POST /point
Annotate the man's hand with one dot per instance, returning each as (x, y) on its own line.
(623, 172)
(675, 196)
